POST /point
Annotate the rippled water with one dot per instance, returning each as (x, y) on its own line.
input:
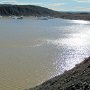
(32, 51)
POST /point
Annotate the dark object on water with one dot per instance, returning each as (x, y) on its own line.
(21, 17)
(17, 17)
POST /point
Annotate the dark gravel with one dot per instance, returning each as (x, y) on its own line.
(77, 78)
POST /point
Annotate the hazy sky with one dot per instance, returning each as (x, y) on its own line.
(60, 5)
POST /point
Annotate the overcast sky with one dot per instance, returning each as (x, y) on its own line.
(59, 5)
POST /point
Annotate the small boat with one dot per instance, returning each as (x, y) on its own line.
(50, 17)
(19, 17)
(0, 16)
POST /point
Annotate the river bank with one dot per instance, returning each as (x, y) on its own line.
(77, 78)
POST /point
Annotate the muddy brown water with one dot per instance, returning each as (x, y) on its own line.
(33, 51)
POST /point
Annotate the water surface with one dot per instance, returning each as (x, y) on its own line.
(32, 51)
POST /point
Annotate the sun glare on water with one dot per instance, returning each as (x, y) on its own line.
(80, 22)
(75, 47)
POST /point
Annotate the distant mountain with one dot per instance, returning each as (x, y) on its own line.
(32, 10)
(26, 10)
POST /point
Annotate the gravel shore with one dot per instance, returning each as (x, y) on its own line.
(77, 78)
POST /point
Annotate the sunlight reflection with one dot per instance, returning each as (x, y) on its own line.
(80, 22)
(69, 58)
(74, 50)
(69, 41)
(80, 39)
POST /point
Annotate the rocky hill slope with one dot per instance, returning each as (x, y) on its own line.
(25, 10)
(76, 79)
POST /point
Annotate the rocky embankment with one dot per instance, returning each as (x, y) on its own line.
(76, 79)
(31, 10)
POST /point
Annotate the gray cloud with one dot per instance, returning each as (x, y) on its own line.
(82, 1)
(18, 3)
(83, 8)
(8, 2)
(55, 6)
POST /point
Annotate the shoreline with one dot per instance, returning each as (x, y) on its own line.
(77, 78)
(47, 18)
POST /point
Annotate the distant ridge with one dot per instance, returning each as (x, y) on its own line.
(32, 10)
(26, 10)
